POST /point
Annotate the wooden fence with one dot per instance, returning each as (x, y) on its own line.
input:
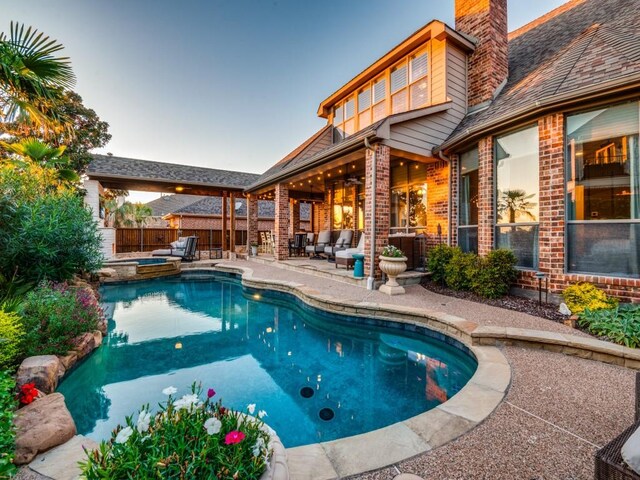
(148, 239)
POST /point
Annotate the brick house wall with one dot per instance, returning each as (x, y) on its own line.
(486, 213)
(454, 161)
(437, 202)
(382, 218)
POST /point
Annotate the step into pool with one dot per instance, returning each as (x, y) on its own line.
(319, 376)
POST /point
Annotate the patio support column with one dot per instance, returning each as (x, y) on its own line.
(295, 217)
(551, 238)
(486, 189)
(252, 217)
(382, 204)
(281, 226)
(224, 221)
(232, 222)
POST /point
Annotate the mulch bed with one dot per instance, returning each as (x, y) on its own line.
(509, 302)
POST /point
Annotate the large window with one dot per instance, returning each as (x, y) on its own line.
(408, 197)
(517, 173)
(468, 202)
(344, 122)
(343, 206)
(603, 191)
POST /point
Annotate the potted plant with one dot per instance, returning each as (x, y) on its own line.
(254, 249)
(189, 438)
(392, 263)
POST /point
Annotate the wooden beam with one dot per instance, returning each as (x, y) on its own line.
(224, 221)
(232, 234)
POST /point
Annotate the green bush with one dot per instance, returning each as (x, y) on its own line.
(8, 406)
(438, 259)
(187, 438)
(620, 324)
(582, 295)
(53, 315)
(461, 269)
(52, 237)
(495, 274)
(11, 333)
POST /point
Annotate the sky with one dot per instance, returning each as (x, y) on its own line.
(231, 84)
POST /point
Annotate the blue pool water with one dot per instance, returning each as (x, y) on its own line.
(259, 347)
(141, 261)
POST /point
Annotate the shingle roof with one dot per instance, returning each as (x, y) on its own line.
(120, 167)
(170, 203)
(586, 44)
(213, 206)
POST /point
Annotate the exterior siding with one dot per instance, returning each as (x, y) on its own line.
(438, 90)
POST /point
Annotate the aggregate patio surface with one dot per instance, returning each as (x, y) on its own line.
(558, 411)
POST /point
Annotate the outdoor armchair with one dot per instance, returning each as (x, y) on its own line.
(342, 243)
(345, 257)
(324, 239)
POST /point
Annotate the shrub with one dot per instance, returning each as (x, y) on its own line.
(187, 438)
(54, 314)
(438, 259)
(620, 324)
(11, 333)
(495, 273)
(581, 296)
(461, 269)
(8, 405)
(52, 237)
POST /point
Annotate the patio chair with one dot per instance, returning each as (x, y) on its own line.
(176, 246)
(270, 243)
(298, 244)
(342, 243)
(345, 257)
(608, 460)
(324, 239)
(263, 243)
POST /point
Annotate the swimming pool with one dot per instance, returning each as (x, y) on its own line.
(319, 376)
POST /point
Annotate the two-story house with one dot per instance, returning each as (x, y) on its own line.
(483, 138)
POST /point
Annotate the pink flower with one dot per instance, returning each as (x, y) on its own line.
(233, 437)
(210, 393)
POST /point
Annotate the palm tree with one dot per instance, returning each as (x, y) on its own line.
(50, 159)
(32, 78)
(516, 202)
(141, 213)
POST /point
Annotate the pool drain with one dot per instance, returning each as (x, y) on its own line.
(307, 392)
(326, 414)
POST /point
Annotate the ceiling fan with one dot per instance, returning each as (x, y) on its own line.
(352, 180)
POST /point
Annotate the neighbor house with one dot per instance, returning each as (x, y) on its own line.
(482, 138)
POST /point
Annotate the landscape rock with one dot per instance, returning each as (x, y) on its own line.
(85, 344)
(42, 425)
(43, 370)
(564, 309)
(107, 273)
(69, 360)
(97, 338)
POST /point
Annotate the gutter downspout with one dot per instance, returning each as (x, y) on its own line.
(448, 160)
(371, 278)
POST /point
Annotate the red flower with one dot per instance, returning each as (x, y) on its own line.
(28, 393)
(233, 437)
(222, 410)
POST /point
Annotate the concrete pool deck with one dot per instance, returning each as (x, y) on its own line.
(558, 411)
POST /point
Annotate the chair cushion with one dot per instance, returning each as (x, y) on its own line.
(324, 236)
(178, 244)
(631, 451)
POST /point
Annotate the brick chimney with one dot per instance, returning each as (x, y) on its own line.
(486, 21)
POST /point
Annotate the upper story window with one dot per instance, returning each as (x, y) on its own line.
(603, 190)
(400, 88)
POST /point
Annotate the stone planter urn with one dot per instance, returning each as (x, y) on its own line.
(392, 267)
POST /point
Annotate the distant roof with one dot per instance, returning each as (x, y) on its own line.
(212, 206)
(582, 48)
(119, 169)
(170, 203)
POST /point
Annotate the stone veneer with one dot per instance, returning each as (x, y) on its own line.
(382, 218)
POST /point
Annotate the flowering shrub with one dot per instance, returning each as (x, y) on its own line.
(187, 438)
(7, 430)
(582, 295)
(54, 314)
(391, 251)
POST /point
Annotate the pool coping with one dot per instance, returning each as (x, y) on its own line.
(414, 436)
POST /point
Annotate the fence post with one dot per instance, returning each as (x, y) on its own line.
(141, 240)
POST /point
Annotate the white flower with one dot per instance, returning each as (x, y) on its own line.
(257, 447)
(251, 408)
(124, 434)
(169, 390)
(262, 413)
(212, 425)
(187, 401)
(144, 418)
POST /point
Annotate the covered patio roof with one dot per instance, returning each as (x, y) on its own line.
(145, 175)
